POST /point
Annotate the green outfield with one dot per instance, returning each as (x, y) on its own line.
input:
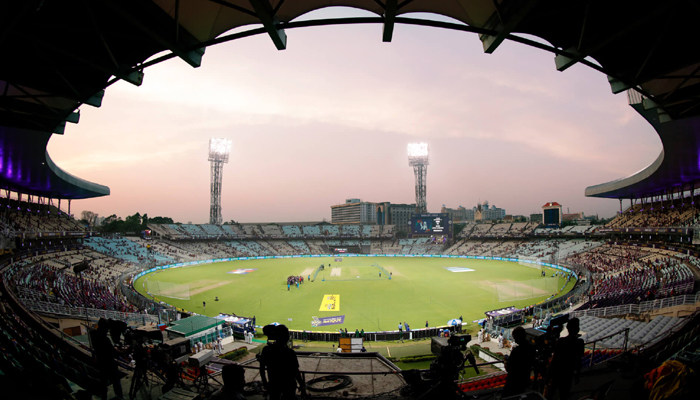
(420, 289)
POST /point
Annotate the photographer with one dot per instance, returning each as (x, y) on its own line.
(280, 362)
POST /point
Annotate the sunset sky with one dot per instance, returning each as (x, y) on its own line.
(329, 118)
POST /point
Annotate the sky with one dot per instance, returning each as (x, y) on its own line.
(330, 117)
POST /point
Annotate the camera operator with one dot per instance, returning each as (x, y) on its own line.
(233, 376)
(105, 354)
(566, 361)
(519, 364)
(280, 362)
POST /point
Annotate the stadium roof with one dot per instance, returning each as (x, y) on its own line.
(62, 54)
(552, 204)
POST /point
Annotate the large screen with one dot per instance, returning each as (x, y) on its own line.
(431, 224)
(551, 217)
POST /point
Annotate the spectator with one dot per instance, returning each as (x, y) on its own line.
(519, 364)
(233, 376)
(105, 356)
(281, 364)
(566, 361)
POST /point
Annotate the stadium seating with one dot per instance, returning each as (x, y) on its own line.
(330, 230)
(679, 213)
(350, 231)
(213, 230)
(593, 328)
(271, 230)
(311, 230)
(291, 230)
(233, 230)
(300, 246)
(125, 249)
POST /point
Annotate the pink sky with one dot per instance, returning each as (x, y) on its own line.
(329, 118)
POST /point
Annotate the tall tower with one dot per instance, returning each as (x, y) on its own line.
(219, 150)
(418, 159)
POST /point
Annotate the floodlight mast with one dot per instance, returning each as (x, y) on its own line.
(418, 159)
(219, 150)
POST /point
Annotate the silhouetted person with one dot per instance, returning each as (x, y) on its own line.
(281, 364)
(233, 376)
(106, 364)
(519, 364)
(566, 361)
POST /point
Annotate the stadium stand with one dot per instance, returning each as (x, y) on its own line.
(124, 249)
(213, 230)
(593, 328)
(350, 231)
(292, 231)
(679, 213)
(271, 230)
(233, 230)
(309, 230)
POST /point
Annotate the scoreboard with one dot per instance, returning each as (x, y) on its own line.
(431, 224)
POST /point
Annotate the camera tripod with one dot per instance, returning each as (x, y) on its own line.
(144, 378)
(201, 383)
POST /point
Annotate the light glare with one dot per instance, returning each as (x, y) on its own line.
(417, 149)
(219, 149)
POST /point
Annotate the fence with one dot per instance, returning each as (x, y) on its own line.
(559, 304)
(141, 301)
(423, 333)
(646, 306)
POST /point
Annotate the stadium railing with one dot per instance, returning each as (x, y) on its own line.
(423, 333)
(93, 313)
(646, 306)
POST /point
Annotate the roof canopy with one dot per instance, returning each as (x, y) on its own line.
(61, 54)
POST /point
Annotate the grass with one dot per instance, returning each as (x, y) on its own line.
(420, 289)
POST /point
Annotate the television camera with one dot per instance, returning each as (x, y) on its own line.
(544, 343)
(450, 358)
(444, 370)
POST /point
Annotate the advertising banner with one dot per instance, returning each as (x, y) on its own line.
(327, 321)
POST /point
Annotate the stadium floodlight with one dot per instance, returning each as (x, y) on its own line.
(219, 151)
(418, 158)
(418, 150)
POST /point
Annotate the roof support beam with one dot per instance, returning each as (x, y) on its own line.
(389, 18)
(576, 54)
(504, 20)
(264, 11)
(96, 99)
(135, 77)
(193, 58)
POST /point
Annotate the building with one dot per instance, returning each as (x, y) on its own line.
(536, 218)
(400, 215)
(552, 213)
(354, 211)
(457, 215)
(484, 212)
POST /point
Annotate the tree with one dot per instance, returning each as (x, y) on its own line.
(89, 218)
(161, 220)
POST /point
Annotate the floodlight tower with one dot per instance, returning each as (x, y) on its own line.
(418, 159)
(219, 150)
